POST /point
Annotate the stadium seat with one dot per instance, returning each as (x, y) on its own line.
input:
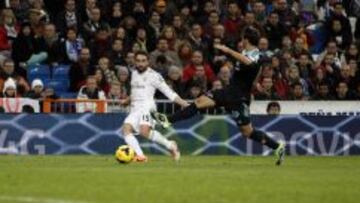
(61, 72)
(68, 95)
(59, 85)
(38, 71)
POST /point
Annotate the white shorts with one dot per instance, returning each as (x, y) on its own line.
(137, 118)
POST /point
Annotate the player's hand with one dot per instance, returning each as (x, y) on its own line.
(222, 48)
(185, 104)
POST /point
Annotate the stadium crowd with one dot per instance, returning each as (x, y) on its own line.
(310, 48)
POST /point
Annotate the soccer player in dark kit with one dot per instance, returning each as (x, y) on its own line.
(235, 98)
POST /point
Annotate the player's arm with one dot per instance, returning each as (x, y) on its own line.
(242, 58)
(161, 85)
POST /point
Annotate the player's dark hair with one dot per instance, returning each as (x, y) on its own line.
(252, 35)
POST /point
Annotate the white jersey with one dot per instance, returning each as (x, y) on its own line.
(143, 88)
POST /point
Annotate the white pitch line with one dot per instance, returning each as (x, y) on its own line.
(37, 200)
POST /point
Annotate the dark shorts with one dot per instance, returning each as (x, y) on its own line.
(237, 107)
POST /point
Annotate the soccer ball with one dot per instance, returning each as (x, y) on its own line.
(124, 154)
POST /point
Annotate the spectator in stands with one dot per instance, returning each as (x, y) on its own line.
(8, 71)
(174, 80)
(119, 99)
(351, 53)
(294, 78)
(168, 33)
(27, 109)
(297, 92)
(180, 27)
(86, 13)
(232, 20)
(264, 48)
(94, 24)
(213, 20)
(186, 13)
(323, 92)
(199, 78)
(37, 89)
(9, 90)
(250, 21)
(273, 108)
(163, 50)
(68, 18)
(124, 79)
(195, 89)
(300, 31)
(300, 46)
(342, 91)
(339, 34)
(185, 52)
(331, 49)
(50, 43)
(116, 14)
(224, 75)
(305, 65)
(338, 14)
(197, 60)
(259, 10)
(344, 75)
(101, 81)
(8, 32)
(329, 65)
(217, 85)
(275, 31)
(197, 40)
(130, 60)
(266, 90)
(89, 91)
(72, 46)
(101, 44)
(120, 34)
(354, 69)
(80, 70)
(107, 69)
(286, 15)
(143, 40)
(49, 93)
(20, 9)
(117, 52)
(155, 23)
(25, 50)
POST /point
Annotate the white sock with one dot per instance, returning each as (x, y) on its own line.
(133, 143)
(155, 136)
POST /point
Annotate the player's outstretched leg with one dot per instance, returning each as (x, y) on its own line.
(171, 145)
(202, 102)
(264, 139)
(131, 140)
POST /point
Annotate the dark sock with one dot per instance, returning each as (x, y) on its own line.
(264, 139)
(183, 114)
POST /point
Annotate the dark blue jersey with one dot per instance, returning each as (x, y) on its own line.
(244, 75)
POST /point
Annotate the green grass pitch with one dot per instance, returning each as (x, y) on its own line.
(100, 179)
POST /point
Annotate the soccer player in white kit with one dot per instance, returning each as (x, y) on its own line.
(144, 83)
